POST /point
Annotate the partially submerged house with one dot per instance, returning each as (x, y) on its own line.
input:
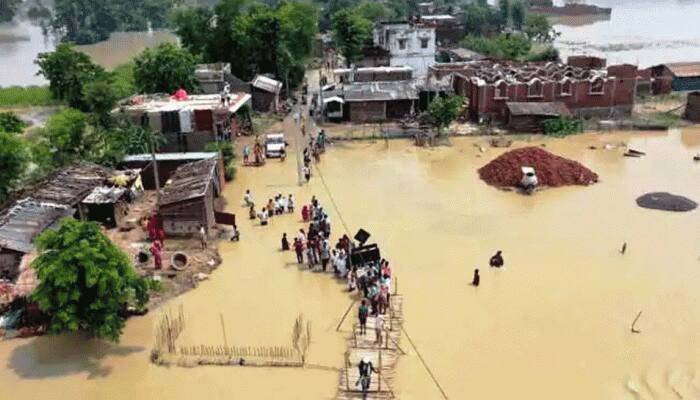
(530, 117)
(187, 201)
(692, 108)
(190, 124)
(167, 163)
(213, 77)
(675, 77)
(266, 94)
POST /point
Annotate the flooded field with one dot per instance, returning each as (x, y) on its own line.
(643, 33)
(554, 323)
(21, 42)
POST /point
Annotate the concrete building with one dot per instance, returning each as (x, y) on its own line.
(372, 74)
(676, 77)
(409, 44)
(213, 77)
(266, 94)
(449, 30)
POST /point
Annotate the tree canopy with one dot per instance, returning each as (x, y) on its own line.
(442, 111)
(65, 134)
(255, 39)
(8, 8)
(85, 280)
(13, 161)
(11, 123)
(351, 32)
(67, 70)
(165, 68)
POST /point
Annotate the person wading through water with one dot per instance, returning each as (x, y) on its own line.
(477, 279)
(365, 368)
(362, 315)
(496, 260)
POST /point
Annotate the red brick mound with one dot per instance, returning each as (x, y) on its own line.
(551, 169)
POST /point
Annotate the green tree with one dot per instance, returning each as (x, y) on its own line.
(505, 9)
(481, 19)
(538, 28)
(518, 14)
(165, 68)
(506, 46)
(66, 136)
(11, 123)
(442, 111)
(374, 11)
(85, 280)
(193, 27)
(13, 161)
(67, 70)
(351, 32)
(100, 96)
(8, 8)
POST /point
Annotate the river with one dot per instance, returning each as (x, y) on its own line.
(21, 42)
(640, 32)
(553, 324)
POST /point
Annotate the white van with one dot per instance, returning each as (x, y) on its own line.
(274, 145)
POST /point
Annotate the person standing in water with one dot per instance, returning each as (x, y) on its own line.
(285, 242)
(299, 250)
(477, 279)
(496, 260)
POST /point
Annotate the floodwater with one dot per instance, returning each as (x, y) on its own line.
(21, 42)
(640, 32)
(553, 324)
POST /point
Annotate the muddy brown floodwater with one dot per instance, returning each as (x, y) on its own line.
(553, 324)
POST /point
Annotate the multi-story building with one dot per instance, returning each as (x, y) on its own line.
(409, 44)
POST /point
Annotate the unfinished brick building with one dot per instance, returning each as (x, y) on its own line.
(585, 91)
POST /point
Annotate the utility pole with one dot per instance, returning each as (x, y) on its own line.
(155, 169)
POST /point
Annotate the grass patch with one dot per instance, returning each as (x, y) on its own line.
(16, 96)
(671, 120)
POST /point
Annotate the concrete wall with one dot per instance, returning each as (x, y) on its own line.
(406, 46)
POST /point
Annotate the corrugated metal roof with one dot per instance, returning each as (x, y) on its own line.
(684, 69)
(267, 84)
(553, 109)
(190, 181)
(380, 91)
(193, 156)
(25, 220)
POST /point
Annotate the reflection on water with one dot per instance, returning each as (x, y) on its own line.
(553, 324)
(645, 32)
(21, 42)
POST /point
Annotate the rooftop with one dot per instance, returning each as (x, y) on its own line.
(193, 156)
(465, 54)
(105, 195)
(267, 84)
(684, 69)
(22, 222)
(380, 91)
(339, 71)
(70, 185)
(189, 181)
(156, 103)
(492, 72)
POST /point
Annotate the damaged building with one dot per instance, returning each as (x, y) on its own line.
(167, 164)
(187, 201)
(585, 92)
(266, 94)
(192, 122)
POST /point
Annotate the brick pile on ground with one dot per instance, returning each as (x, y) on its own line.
(551, 170)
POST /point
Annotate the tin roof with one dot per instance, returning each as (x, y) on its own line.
(267, 84)
(157, 103)
(554, 109)
(380, 91)
(193, 156)
(684, 69)
(189, 181)
(104, 195)
(25, 220)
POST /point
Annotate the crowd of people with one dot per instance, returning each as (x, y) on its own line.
(316, 147)
(276, 206)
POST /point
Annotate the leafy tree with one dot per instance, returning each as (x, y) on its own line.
(538, 28)
(482, 20)
(11, 123)
(442, 111)
(504, 8)
(85, 280)
(193, 27)
(8, 8)
(100, 95)
(506, 46)
(350, 33)
(67, 70)
(66, 135)
(374, 11)
(549, 53)
(13, 160)
(562, 126)
(165, 68)
(518, 14)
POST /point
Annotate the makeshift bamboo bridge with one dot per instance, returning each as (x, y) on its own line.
(384, 357)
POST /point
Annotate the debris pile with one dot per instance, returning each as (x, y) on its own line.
(666, 202)
(552, 170)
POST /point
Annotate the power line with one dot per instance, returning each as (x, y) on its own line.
(425, 365)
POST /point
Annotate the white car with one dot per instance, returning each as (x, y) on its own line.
(274, 145)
